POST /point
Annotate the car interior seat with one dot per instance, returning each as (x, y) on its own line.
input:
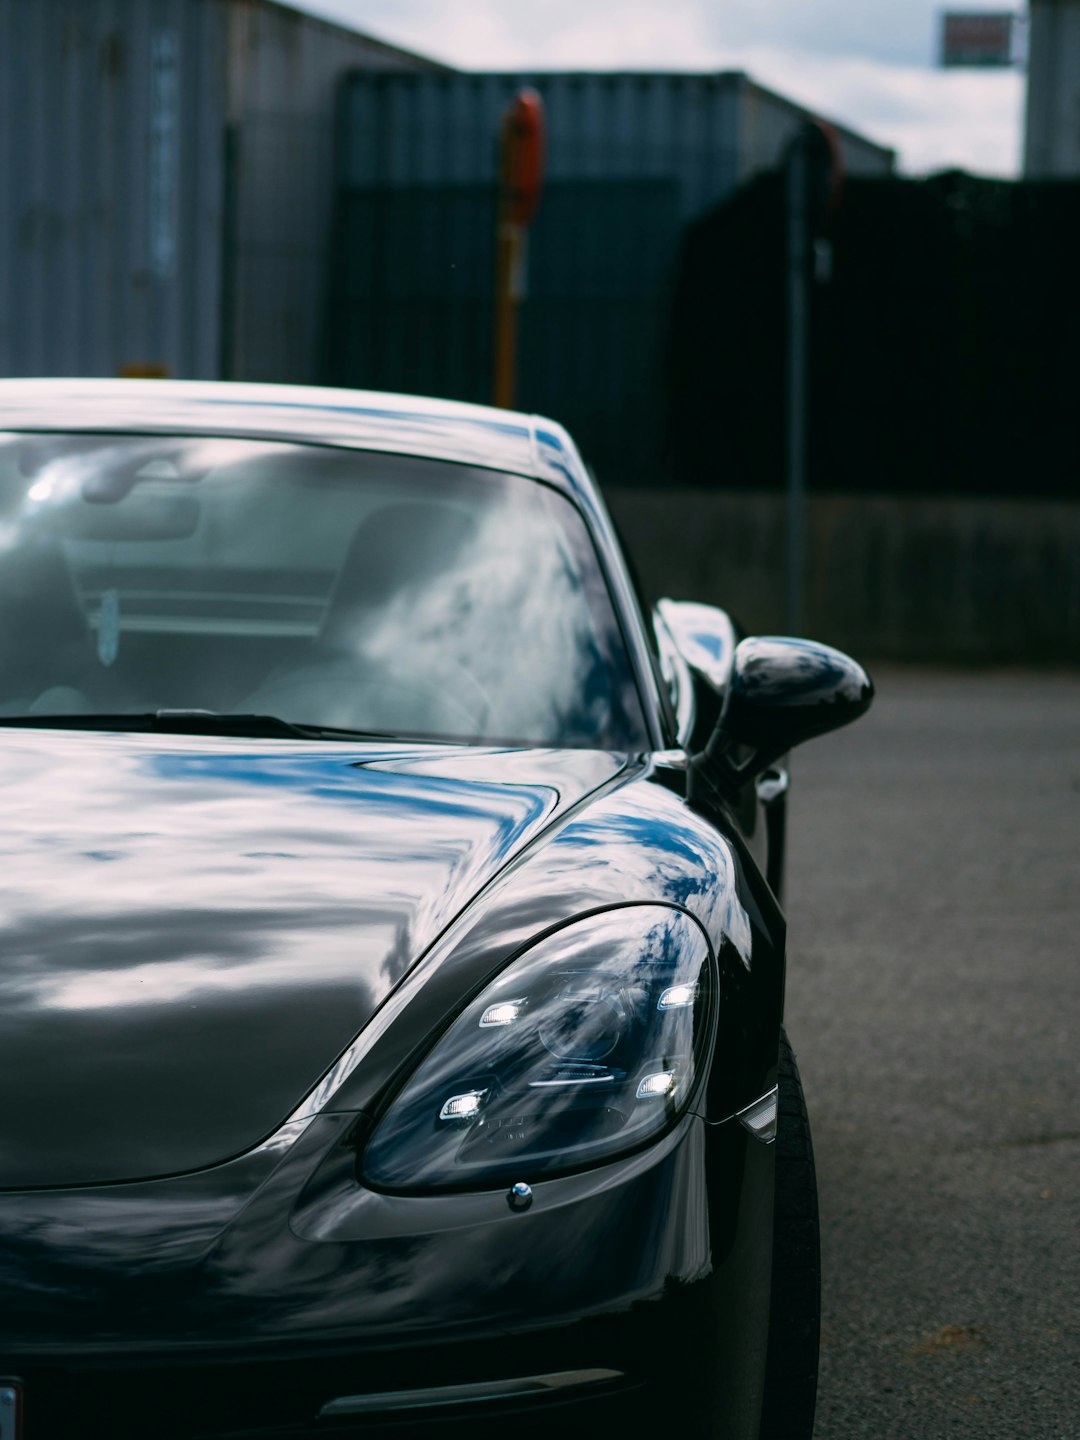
(47, 657)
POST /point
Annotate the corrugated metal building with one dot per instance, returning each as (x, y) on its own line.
(167, 191)
(632, 159)
(166, 184)
(708, 133)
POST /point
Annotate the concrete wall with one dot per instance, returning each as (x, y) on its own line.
(889, 578)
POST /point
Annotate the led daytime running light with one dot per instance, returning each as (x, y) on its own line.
(505, 1013)
(653, 1087)
(465, 1107)
(676, 997)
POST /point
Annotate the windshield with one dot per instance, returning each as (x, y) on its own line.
(327, 587)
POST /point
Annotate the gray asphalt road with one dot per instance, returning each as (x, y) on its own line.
(934, 904)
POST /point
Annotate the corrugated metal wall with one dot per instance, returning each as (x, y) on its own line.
(632, 158)
(166, 188)
(707, 133)
(166, 185)
(440, 129)
(414, 311)
(284, 76)
(413, 294)
(110, 184)
(629, 158)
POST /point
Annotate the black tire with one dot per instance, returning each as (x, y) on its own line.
(795, 1306)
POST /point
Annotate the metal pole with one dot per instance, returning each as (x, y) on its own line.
(521, 173)
(798, 175)
(230, 242)
(509, 286)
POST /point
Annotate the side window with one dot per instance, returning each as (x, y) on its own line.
(677, 682)
(666, 658)
(659, 655)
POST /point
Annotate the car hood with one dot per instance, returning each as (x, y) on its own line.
(195, 929)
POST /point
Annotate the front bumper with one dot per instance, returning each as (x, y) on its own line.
(648, 1276)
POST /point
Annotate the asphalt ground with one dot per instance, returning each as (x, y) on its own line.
(933, 1001)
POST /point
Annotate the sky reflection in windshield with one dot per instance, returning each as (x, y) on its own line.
(325, 586)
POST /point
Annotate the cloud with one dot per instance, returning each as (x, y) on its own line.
(892, 34)
(936, 120)
(678, 32)
(556, 34)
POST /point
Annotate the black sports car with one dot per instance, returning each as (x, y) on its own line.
(392, 974)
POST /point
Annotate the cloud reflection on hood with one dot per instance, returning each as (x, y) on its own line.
(256, 907)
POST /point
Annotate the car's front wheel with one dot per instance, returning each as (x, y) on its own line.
(795, 1307)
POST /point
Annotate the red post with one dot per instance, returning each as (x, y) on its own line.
(521, 178)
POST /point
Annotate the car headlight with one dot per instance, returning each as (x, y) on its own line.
(583, 1048)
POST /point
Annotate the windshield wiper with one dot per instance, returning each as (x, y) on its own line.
(195, 722)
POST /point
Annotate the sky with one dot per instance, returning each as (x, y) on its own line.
(869, 64)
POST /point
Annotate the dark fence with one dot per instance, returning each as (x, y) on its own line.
(943, 346)
(411, 305)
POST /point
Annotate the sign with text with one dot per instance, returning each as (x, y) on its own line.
(983, 39)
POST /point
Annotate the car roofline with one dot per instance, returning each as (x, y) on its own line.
(450, 430)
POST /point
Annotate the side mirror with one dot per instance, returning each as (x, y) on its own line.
(781, 692)
(704, 636)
